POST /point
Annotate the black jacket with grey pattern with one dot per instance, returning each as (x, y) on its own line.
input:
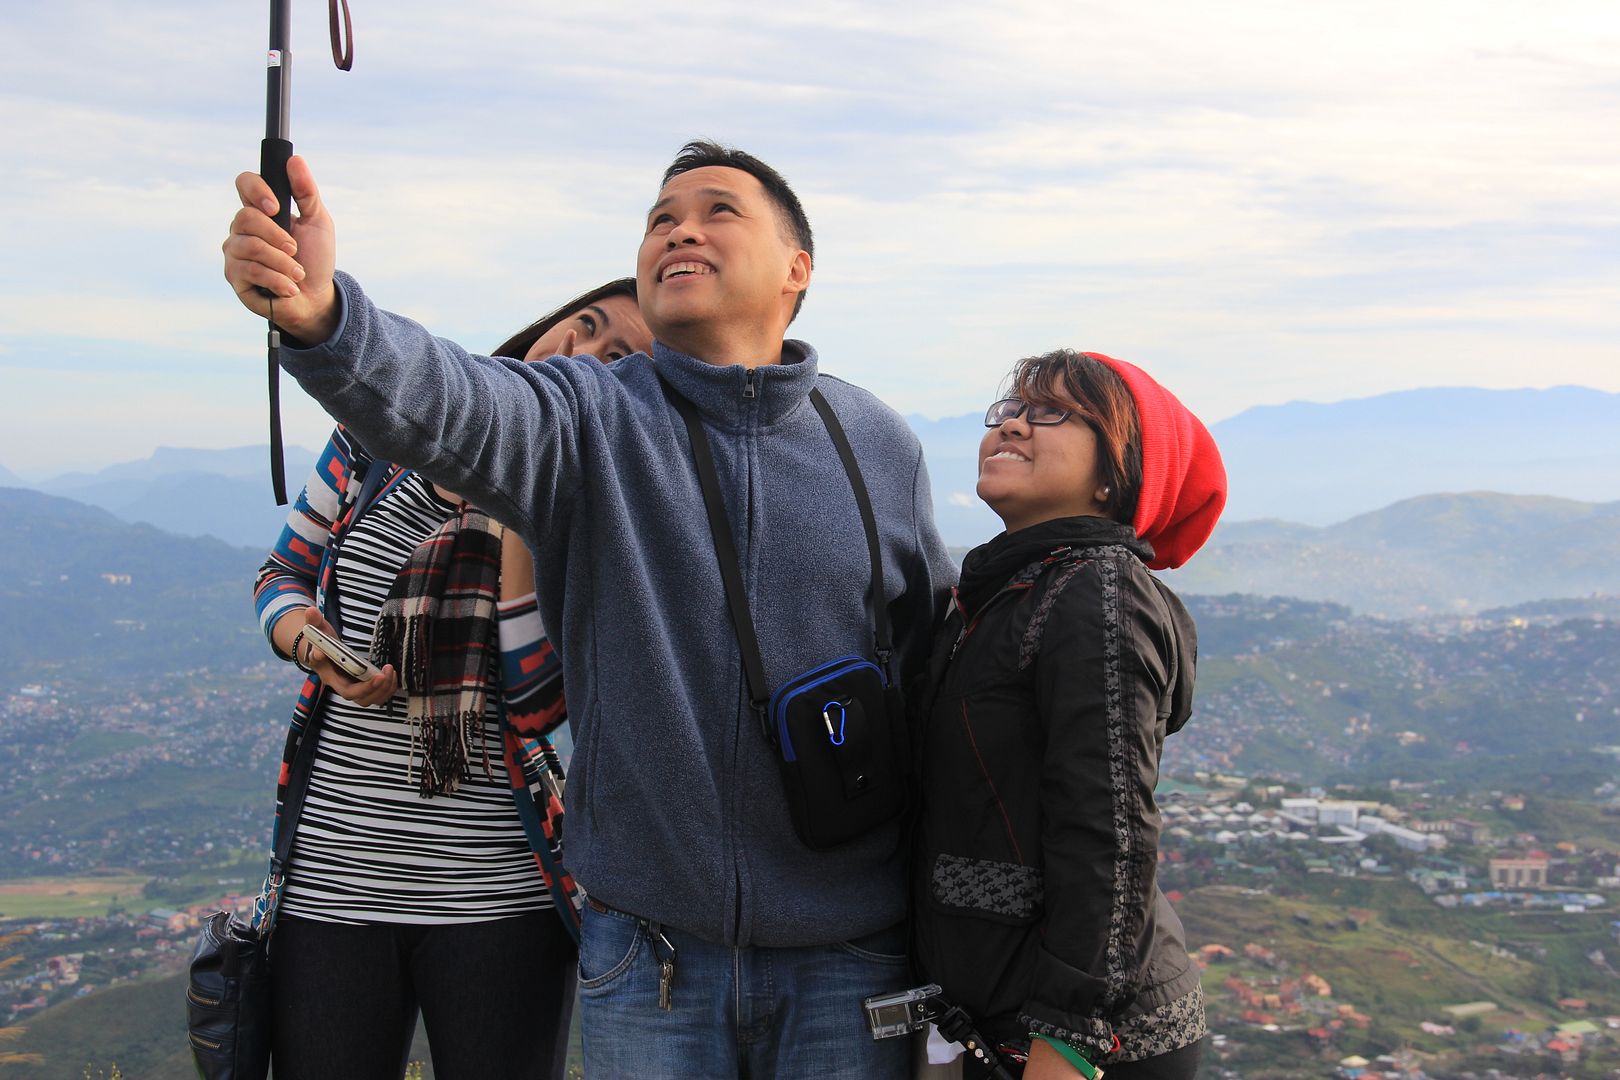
(1036, 904)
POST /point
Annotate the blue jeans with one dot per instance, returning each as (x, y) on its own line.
(734, 1012)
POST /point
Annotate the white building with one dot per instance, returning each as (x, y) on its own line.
(1337, 813)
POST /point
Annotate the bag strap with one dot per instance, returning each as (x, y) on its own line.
(880, 609)
(726, 550)
(376, 477)
(292, 807)
(566, 897)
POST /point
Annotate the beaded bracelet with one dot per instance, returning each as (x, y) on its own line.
(298, 661)
(1071, 1055)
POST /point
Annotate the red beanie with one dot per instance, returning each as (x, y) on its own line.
(1183, 478)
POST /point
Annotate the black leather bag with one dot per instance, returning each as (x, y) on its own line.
(228, 993)
(228, 1000)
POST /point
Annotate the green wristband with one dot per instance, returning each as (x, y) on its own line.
(1071, 1055)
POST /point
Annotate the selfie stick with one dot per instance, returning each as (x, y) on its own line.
(957, 1027)
(273, 154)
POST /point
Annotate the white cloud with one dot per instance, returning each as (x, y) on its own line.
(1258, 201)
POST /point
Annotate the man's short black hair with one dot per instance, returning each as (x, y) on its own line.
(701, 153)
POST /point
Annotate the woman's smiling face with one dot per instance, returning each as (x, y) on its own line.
(1030, 473)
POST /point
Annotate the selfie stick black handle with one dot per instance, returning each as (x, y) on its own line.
(273, 154)
(277, 146)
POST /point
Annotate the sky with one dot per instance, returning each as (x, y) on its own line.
(1257, 202)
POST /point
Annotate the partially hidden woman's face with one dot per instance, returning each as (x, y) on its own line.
(1030, 473)
(608, 329)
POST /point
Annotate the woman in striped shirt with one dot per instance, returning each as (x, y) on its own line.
(412, 886)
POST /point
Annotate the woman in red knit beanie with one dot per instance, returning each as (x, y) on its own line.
(1063, 665)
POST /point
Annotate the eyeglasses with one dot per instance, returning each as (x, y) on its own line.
(1007, 408)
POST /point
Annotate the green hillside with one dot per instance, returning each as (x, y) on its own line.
(86, 588)
(1435, 554)
(1308, 692)
(122, 753)
(137, 1026)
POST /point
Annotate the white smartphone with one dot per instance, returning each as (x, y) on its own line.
(346, 659)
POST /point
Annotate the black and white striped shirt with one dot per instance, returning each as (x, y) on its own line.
(369, 848)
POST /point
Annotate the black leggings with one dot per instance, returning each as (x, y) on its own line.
(495, 997)
(1176, 1065)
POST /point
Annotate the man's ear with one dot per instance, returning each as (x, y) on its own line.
(798, 277)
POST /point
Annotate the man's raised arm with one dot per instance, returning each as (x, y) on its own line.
(500, 433)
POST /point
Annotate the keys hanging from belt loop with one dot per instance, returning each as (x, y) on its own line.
(666, 982)
(666, 963)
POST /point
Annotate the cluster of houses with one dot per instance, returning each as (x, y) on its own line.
(1326, 821)
(161, 938)
(1514, 878)
(1564, 1043)
(1400, 1065)
(145, 727)
(1270, 998)
(30, 993)
(1555, 1046)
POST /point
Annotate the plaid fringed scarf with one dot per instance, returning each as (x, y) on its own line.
(438, 629)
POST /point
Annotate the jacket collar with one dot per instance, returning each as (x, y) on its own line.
(989, 566)
(721, 392)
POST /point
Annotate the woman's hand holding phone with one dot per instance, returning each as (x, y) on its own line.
(362, 691)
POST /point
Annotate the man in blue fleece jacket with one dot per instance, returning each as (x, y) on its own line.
(678, 826)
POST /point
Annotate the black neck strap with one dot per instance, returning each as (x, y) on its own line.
(878, 598)
(292, 803)
(726, 550)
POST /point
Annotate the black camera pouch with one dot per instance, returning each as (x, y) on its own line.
(840, 729)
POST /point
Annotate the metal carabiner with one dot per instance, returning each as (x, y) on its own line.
(834, 737)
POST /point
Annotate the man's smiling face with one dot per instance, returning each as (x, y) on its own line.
(716, 253)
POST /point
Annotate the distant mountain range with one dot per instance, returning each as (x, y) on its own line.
(138, 595)
(82, 587)
(220, 493)
(1319, 464)
(1435, 554)
(1302, 462)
